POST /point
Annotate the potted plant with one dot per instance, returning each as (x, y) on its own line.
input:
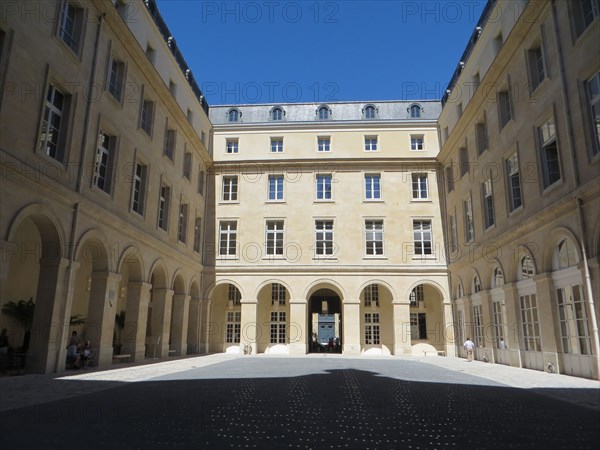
(22, 312)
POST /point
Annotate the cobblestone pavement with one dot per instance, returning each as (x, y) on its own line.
(313, 402)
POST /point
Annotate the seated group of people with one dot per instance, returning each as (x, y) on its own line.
(78, 354)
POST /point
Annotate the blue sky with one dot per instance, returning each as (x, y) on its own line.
(282, 51)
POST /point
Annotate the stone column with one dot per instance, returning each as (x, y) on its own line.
(448, 332)
(487, 324)
(7, 250)
(63, 339)
(162, 300)
(351, 327)
(298, 327)
(100, 325)
(194, 338)
(181, 311)
(249, 327)
(47, 320)
(402, 339)
(550, 335)
(136, 318)
(512, 323)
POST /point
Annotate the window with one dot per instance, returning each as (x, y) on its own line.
(182, 224)
(573, 320)
(593, 96)
(514, 182)
(373, 186)
(200, 180)
(170, 140)
(498, 42)
(481, 137)
(172, 88)
(197, 234)
(232, 146)
(415, 111)
(460, 291)
(453, 244)
(324, 144)
(463, 155)
(54, 124)
(234, 295)
(369, 112)
(150, 53)
(233, 115)
(449, 179)
(585, 12)
(278, 327)
(323, 113)
(370, 143)
(103, 165)
(230, 188)
(372, 296)
(323, 237)
(497, 277)
(233, 327)
(537, 71)
(527, 269)
(71, 26)
(190, 115)
(459, 109)
(418, 326)
(278, 294)
(187, 165)
(275, 187)
(274, 244)
(116, 79)
(227, 238)
(504, 108)
(477, 326)
(530, 323)
(374, 237)
(324, 187)
(549, 156)
(422, 237)
(163, 207)
(460, 332)
(488, 203)
(567, 255)
(372, 331)
(420, 190)
(498, 322)
(416, 142)
(417, 295)
(276, 145)
(475, 83)
(139, 188)
(468, 210)
(277, 114)
(147, 116)
(476, 285)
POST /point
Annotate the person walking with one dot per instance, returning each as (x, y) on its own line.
(469, 347)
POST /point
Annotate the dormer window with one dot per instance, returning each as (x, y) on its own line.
(277, 114)
(234, 115)
(324, 113)
(369, 112)
(415, 111)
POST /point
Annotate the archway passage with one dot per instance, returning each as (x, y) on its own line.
(325, 322)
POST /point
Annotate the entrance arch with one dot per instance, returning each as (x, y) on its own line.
(430, 318)
(325, 321)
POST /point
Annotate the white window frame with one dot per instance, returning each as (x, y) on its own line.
(371, 143)
(164, 205)
(420, 186)
(372, 181)
(138, 197)
(105, 154)
(232, 146)
(420, 237)
(323, 144)
(372, 328)
(513, 180)
(230, 189)
(324, 186)
(374, 237)
(487, 194)
(228, 230)
(274, 237)
(276, 145)
(417, 142)
(278, 192)
(324, 238)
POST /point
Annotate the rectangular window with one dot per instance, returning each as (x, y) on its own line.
(372, 330)
(416, 142)
(233, 327)
(227, 238)
(116, 79)
(464, 161)
(54, 124)
(277, 294)
(529, 321)
(372, 296)
(420, 188)
(549, 156)
(103, 166)
(498, 322)
(482, 137)
(418, 326)
(374, 237)
(537, 71)
(422, 237)
(585, 12)
(514, 182)
(459, 110)
(573, 320)
(147, 116)
(274, 237)
(593, 97)
(324, 187)
(232, 146)
(172, 88)
(190, 115)
(200, 180)
(139, 188)
(278, 326)
(449, 179)
(170, 140)
(504, 108)
(183, 222)
(417, 295)
(276, 145)
(460, 332)
(488, 202)
(468, 211)
(71, 26)
(477, 326)
(373, 186)
(150, 53)
(230, 188)
(187, 165)
(370, 143)
(324, 144)
(197, 234)
(453, 233)
(234, 295)
(275, 187)
(163, 207)
(323, 237)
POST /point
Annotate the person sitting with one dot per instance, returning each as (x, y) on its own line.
(73, 357)
(86, 354)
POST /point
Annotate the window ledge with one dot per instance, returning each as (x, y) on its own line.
(377, 200)
(375, 258)
(274, 258)
(516, 211)
(552, 187)
(421, 200)
(278, 202)
(325, 259)
(490, 228)
(225, 202)
(424, 257)
(227, 258)
(324, 201)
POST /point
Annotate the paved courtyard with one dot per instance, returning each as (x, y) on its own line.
(313, 402)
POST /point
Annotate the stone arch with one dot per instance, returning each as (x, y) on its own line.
(159, 270)
(553, 240)
(475, 275)
(459, 286)
(265, 283)
(428, 282)
(178, 283)
(387, 285)
(131, 256)
(523, 251)
(194, 287)
(98, 254)
(209, 292)
(325, 283)
(489, 279)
